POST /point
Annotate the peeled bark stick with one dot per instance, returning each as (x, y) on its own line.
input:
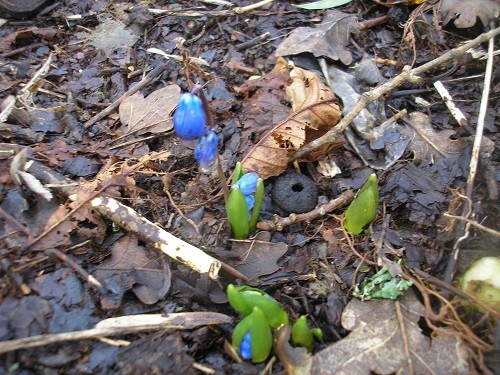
(130, 220)
(174, 247)
(120, 326)
(448, 100)
(408, 74)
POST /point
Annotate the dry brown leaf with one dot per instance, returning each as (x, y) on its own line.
(151, 114)
(379, 343)
(315, 112)
(428, 143)
(466, 12)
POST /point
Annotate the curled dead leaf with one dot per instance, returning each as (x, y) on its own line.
(316, 110)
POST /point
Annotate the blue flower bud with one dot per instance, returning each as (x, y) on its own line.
(205, 150)
(248, 183)
(246, 346)
(189, 117)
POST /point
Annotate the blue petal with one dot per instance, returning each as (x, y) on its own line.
(250, 203)
(205, 150)
(189, 117)
(246, 346)
(248, 183)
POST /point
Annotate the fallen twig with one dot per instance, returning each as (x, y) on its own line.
(278, 222)
(448, 100)
(120, 326)
(213, 13)
(476, 148)
(408, 74)
(143, 82)
(474, 224)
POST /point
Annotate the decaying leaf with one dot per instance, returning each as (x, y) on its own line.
(466, 12)
(130, 268)
(328, 39)
(315, 112)
(109, 35)
(151, 114)
(259, 258)
(428, 143)
(376, 343)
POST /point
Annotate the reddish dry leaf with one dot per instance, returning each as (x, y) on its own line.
(315, 112)
(151, 114)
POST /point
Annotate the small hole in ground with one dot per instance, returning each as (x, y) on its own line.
(297, 187)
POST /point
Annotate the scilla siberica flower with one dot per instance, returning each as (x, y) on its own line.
(248, 184)
(246, 346)
(205, 150)
(189, 117)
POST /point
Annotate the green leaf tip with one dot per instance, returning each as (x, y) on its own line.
(237, 214)
(363, 208)
(261, 339)
(244, 298)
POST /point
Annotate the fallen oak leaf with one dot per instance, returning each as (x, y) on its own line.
(466, 12)
(316, 111)
(151, 114)
(384, 340)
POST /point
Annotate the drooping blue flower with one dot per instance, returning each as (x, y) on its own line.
(248, 183)
(246, 346)
(189, 117)
(205, 150)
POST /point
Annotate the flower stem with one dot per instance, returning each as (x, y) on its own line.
(222, 178)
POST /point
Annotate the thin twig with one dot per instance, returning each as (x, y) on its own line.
(474, 224)
(278, 222)
(406, 75)
(404, 335)
(452, 261)
(144, 323)
(143, 82)
(77, 268)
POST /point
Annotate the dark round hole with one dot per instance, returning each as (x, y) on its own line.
(297, 187)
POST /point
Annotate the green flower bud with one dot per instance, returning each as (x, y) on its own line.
(363, 208)
(254, 328)
(244, 298)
